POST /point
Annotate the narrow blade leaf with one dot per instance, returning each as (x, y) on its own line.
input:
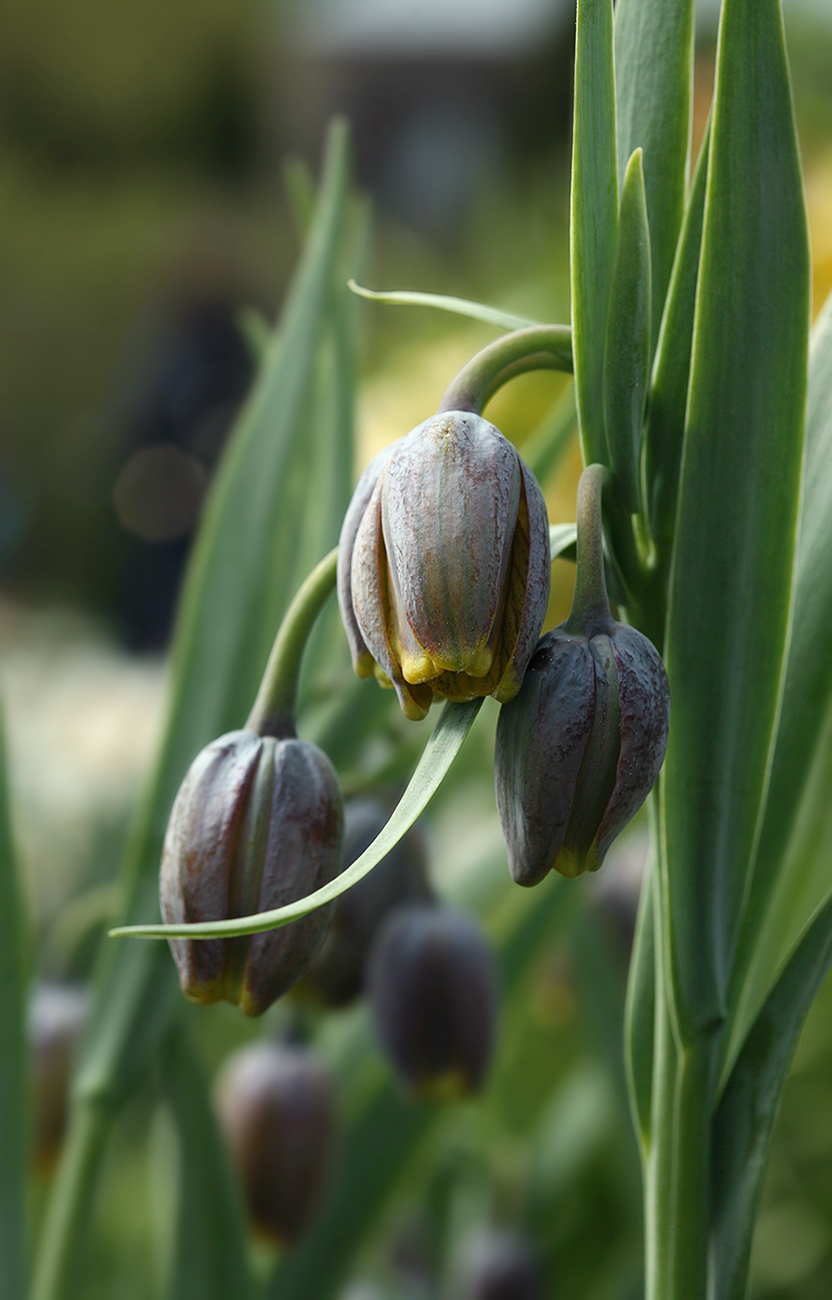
(505, 320)
(665, 431)
(628, 340)
(737, 517)
(744, 1120)
(594, 216)
(791, 873)
(653, 78)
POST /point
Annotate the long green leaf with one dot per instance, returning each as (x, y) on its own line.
(738, 501)
(667, 408)
(228, 616)
(210, 1260)
(444, 744)
(744, 1120)
(653, 78)
(505, 320)
(791, 873)
(627, 354)
(594, 215)
(14, 1068)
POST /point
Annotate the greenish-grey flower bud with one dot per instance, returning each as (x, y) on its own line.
(257, 823)
(443, 565)
(276, 1105)
(579, 748)
(336, 976)
(433, 989)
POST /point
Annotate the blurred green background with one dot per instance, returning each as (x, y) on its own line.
(142, 156)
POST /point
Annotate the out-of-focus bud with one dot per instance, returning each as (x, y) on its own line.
(257, 823)
(336, 976)
(432, 983)
(276, 1106)
(57, 1015)
(443, 564)
(579, 748)
(498, 1265)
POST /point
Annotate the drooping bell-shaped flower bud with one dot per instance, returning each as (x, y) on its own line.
(443, 565)
(580, 747)
(336, 976)
(257, 823)
(276, 1106)
(432, 983)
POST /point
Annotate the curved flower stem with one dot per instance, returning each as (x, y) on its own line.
(539, 347)
(273, 711)
(590, 612)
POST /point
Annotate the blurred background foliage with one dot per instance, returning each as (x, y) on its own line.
(142, 153)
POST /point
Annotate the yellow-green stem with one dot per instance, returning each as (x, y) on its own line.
(273, 711)
(539, 347)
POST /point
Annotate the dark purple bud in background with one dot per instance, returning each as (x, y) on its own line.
(498, 1265)
(579, 749)
(56, 1019)
(257, 823)
(443, 564)
(432, 983)
(336, 977)
(276, 1106)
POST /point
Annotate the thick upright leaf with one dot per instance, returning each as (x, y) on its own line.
(228, 616)
(594, 215)
(791, 872)
(653, 76)
(737, 516)
(627, 354)
(210, 1257)
(667, 408)
(14, 1067)
(745, 1117)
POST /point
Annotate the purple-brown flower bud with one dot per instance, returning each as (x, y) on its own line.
(257, 823)
(276, 1106)
(443, 564)
(579, 748)
(57, 1017)
(336, 976)
(432, 983)
(498, 1265)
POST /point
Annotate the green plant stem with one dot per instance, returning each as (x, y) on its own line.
(678, 1167)
(540, 347)
(273, 711)
(57, 1269)
(590, 613)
